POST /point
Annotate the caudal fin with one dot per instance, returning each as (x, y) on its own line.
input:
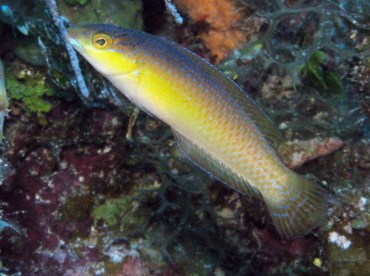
(303, 207)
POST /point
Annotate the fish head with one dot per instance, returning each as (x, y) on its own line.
(111, 50)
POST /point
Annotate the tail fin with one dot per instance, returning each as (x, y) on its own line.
(301, 209)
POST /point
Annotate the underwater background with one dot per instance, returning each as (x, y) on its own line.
(90, 185)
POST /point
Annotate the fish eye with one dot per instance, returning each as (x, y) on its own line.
(102, 41)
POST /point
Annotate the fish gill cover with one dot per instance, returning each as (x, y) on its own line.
(103, 190)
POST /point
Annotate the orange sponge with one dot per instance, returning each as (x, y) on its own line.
(224, 33)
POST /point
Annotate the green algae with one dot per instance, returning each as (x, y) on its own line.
(122, 13)
(112, 210)
(30, 90)
(316, 72)
(77, 2)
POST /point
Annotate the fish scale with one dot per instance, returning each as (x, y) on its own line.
(214, 122)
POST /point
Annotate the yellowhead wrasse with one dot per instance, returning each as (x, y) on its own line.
(214, 122)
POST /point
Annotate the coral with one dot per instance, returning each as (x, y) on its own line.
(223, 33)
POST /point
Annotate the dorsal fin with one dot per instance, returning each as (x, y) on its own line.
(267, 128)
(214, 166)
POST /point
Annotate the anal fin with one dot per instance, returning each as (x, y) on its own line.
(214, 166)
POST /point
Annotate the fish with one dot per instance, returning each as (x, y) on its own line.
(4, 102)
(214, 122)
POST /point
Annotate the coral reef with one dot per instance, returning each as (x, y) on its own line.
(78, 198)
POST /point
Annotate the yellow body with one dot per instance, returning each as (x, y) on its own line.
(214, 126)
(215, 123)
